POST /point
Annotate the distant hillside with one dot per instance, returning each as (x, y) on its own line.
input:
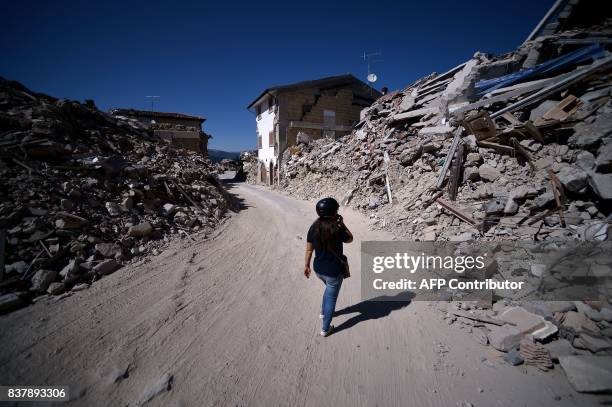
(218, 155)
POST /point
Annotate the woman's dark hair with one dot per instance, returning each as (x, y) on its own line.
(326, 232)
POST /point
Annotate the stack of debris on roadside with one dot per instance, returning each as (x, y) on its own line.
(513, 147)
(84, 192)
(182, 130)
(226, 165)
(495, 148)
(575, 334)
(249, 165)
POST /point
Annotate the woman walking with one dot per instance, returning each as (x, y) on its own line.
(325, 237)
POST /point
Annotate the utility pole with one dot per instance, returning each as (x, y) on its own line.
(153, 99)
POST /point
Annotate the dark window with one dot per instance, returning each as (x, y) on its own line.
(271, 139)
(259, 143)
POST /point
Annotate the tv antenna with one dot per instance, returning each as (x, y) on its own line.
(369, 58)
(153, 99)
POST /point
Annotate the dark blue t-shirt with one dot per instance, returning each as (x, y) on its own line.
(327, 263)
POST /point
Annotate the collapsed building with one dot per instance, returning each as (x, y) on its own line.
(326, 107)
(513, 147)
(83, 192)
(180, 129)
(501, 146)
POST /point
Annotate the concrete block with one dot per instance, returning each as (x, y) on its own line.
(524, 321)
(588, 374)
(504, 337)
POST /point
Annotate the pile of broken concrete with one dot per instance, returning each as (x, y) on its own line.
(249, 165)
(83, 193)
(575, 334)
(506, 147)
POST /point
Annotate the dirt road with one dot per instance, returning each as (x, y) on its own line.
(232, 321)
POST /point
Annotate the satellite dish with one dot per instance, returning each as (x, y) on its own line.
(372, 77)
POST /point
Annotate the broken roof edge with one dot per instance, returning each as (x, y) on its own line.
(550, 14)
(150, 113)
(329, 80)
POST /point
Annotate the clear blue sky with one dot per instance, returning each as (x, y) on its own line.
(212, 58)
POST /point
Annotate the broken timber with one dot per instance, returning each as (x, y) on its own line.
(561, 111)
(481, 318)
(559, 195)
(539, 217)
(495, 146)
(456, 212)
(449, 157)
(453, 184)
(523, 152)
(388, 185)
(187, 196)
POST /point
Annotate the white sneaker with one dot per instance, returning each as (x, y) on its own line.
(328, 332)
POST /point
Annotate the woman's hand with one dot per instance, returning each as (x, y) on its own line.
(341, 224)
(307, 257)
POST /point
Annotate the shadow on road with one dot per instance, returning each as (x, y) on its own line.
(236, 203)
(375, 308)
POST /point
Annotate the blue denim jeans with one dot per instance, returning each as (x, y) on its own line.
(330, 295)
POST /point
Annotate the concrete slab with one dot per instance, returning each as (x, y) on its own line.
(524, 321)
(590, 374)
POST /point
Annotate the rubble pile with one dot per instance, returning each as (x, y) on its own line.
(516, 147)
(172, 126)
(226, 165)
(83, 192)
(249, 165)
(575, 334)
(509, 147)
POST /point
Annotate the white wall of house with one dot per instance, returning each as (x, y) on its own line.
(265, 124)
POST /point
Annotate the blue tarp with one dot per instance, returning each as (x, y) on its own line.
(573, 58)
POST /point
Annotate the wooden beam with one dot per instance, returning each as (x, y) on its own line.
(481, 318)
(449, 157)
(499, 147)
(559, 195)
(388, 185)
(456, 212)
(523, 152)
(539, 217)
(453, 184)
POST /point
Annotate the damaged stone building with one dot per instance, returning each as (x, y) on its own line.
(180, 129)
(326, 107)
